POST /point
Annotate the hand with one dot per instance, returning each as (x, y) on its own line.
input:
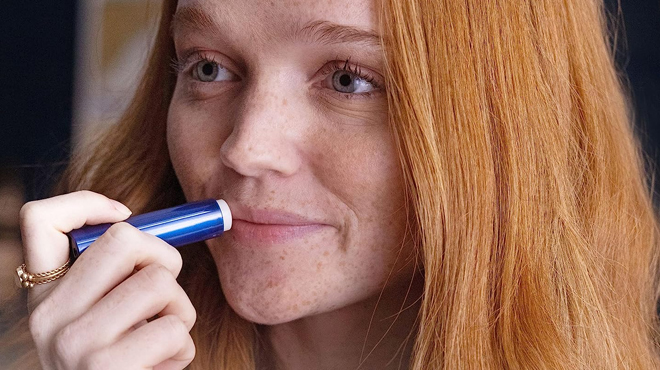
(95, 316)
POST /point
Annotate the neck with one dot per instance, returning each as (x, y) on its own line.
(377, 333)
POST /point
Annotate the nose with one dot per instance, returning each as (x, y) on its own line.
(265, 134)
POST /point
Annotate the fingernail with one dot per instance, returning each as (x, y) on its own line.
(121, 208)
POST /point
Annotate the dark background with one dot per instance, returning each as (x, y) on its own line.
(639, 56)
(36, 88)
(37, 54)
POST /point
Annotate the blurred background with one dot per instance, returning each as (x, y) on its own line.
(68, 69)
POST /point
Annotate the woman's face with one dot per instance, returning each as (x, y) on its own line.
(279, 109)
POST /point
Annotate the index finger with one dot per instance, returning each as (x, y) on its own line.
(44, 224)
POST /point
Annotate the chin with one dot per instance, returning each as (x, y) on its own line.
(267, 312)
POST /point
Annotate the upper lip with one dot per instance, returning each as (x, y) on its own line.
(271, 216)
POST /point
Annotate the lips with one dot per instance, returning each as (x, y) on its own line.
(260, 226)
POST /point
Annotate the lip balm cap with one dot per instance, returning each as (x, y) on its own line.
(226, 214)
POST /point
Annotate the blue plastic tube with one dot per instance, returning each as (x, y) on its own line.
(180, 225)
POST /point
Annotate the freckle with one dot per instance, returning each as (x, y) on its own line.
(318, 266)
(284, 102)
(306, 303)
(326, 253)
(282, 258)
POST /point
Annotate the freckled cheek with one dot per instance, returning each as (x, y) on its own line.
(194, 138)
(370, 184)
(367, 175)
(180, 146)
(373, 186)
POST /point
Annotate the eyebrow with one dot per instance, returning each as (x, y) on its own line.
(320, 32)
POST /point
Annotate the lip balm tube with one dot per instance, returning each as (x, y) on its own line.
(180, 225)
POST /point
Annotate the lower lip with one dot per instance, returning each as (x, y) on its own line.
(250, 233)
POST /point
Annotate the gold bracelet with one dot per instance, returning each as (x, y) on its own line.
(25, 279)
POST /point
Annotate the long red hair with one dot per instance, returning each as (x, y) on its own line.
(528, 189)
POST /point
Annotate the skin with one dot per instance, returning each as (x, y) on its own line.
(271, 132)
(318, 254)
(95, 317)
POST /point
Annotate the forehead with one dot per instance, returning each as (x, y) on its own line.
(279, 16)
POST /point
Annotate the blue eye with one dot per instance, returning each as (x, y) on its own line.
(347, 82)
(208, 71)
(350, 80)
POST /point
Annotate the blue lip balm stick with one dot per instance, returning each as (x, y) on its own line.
(180, 225)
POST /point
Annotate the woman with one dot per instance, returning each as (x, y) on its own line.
(424, 185)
